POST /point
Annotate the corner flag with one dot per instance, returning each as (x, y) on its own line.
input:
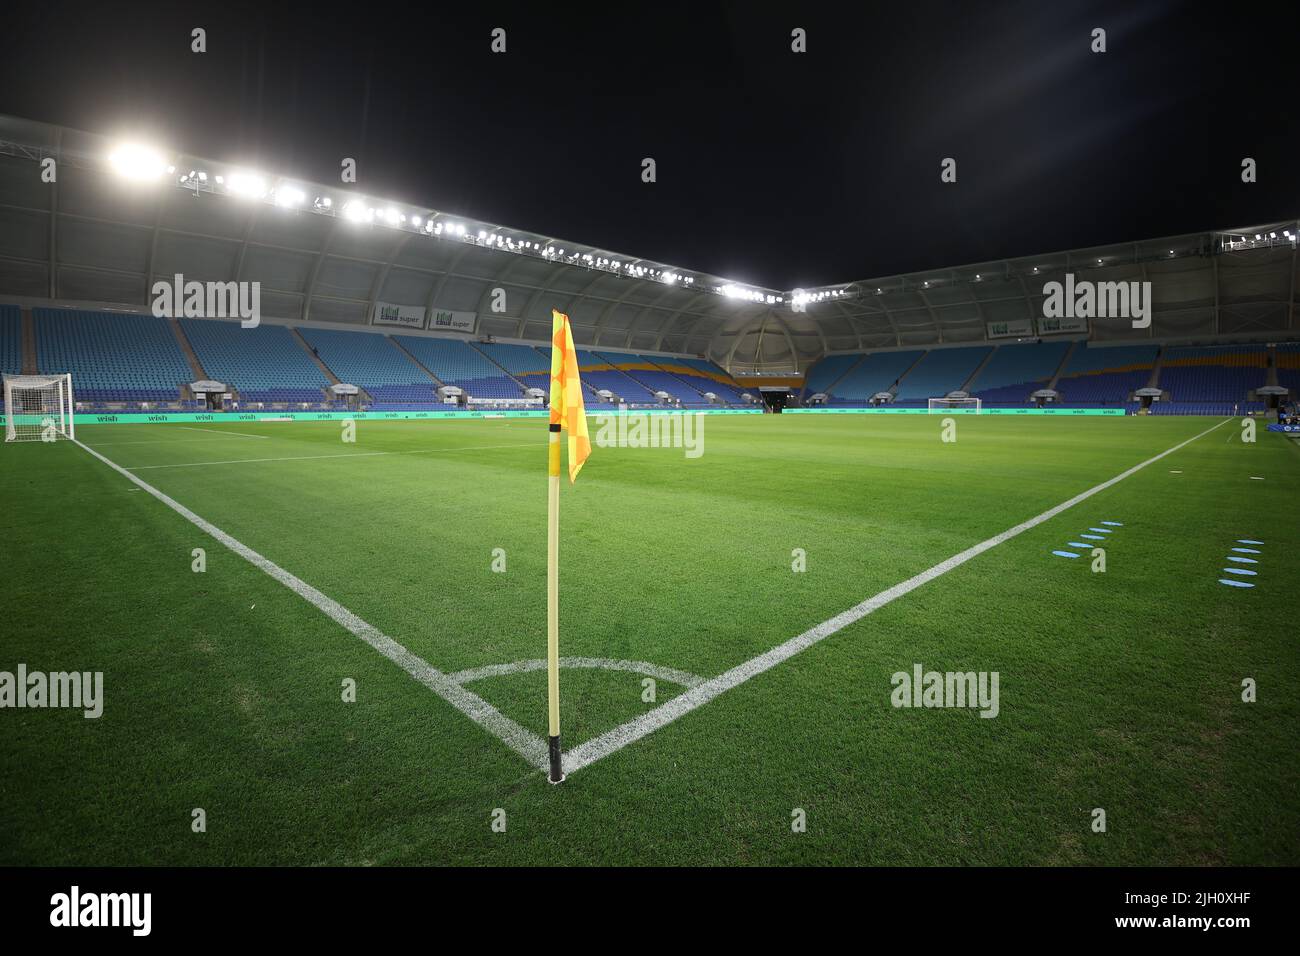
(569, 413)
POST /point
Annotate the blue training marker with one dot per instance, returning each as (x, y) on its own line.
(1065, 554)
(1243, 560)
(1236, 584)
(1102, 530)
(1247, 550)
(1092, 537)
(1078, 544)
(1245, 571)
(1248, 541)
(1117, 524)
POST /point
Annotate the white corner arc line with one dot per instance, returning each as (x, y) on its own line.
(607, 743)
(673, 676)
(524, 742)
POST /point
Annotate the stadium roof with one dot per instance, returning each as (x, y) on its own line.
(328, 253)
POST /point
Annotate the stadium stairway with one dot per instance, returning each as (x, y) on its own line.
(504, 371)
(188, 350)
(693, 388)
(970, 379)
(422, 366)
(320, 363)
(29, 343)
(1065, 363)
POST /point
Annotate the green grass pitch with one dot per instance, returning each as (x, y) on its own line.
(1119, 690)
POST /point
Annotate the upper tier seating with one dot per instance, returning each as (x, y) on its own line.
(529, 365)
(1105, 376)
(264, 364)
(941, 371)
(598, 373)
(369, 361)
(1222, 373)
(456, 362)
(113, 357)
(1016, 371)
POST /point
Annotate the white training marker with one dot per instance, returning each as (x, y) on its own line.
(1092, 537)
(1246, 571)
(1242, 560)
(1256, 478)
(1248, 541)
(1247, 551)
(1175, 472)
(1114, 524)
(1236, 584)
(1102, 530)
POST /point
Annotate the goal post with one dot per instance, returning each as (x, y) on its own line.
(968, 405)
(38, 408)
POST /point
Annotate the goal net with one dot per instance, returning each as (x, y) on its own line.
(38, 407)
(971, 406)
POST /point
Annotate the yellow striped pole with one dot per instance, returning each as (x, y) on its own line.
(553, 604)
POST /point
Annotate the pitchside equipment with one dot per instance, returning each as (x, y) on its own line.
(569, 413)
(972, 406)
(38, 408)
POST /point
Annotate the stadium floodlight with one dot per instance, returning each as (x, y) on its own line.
(140, 163)
(247, 185)
(354, 210)
(289, 196)
(392, 216)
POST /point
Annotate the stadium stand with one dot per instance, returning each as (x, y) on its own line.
(529, 366)
(371, 362)
(1016, 371)
(263, 364)
(939, 372)
(654, 379)
(1222, 374)
(878, 372)
(598, 373)
(456, 362)
(113, 357)
(1102, 377)
(11, 340)
(825, 372)
(1288, 367)
(703, 376)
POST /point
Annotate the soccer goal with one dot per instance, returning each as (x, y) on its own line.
(38, 408)
(968, 405)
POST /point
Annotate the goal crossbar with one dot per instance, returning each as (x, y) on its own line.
(38, 408)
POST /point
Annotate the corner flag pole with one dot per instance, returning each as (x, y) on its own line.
(553, 603)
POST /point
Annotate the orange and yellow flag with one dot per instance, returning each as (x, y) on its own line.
(567, 409)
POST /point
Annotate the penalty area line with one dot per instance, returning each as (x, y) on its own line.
(614, 740)
(523, 742)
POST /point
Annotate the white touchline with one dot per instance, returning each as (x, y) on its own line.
(524, 742)
(354, 454)
(607, 743)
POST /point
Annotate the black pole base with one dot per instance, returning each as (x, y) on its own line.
(557, 771)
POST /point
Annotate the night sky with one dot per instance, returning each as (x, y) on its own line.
(775, 168)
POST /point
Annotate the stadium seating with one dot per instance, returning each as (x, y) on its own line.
(113, 357)
(876, 373)
(530, 366)
(1288, 367)
(655, 379)
(941, 371)
(11, 340)
(598, 373)
(1105, 377)
(1016, 371)
(264, 364)
(1213, 374)
(371, 362)
(456, 362)
(703, 376)
(826, 371)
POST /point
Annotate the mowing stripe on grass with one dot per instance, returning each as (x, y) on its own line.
(607, 743)
(524, 742)
(354, 454)
(222, 431)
